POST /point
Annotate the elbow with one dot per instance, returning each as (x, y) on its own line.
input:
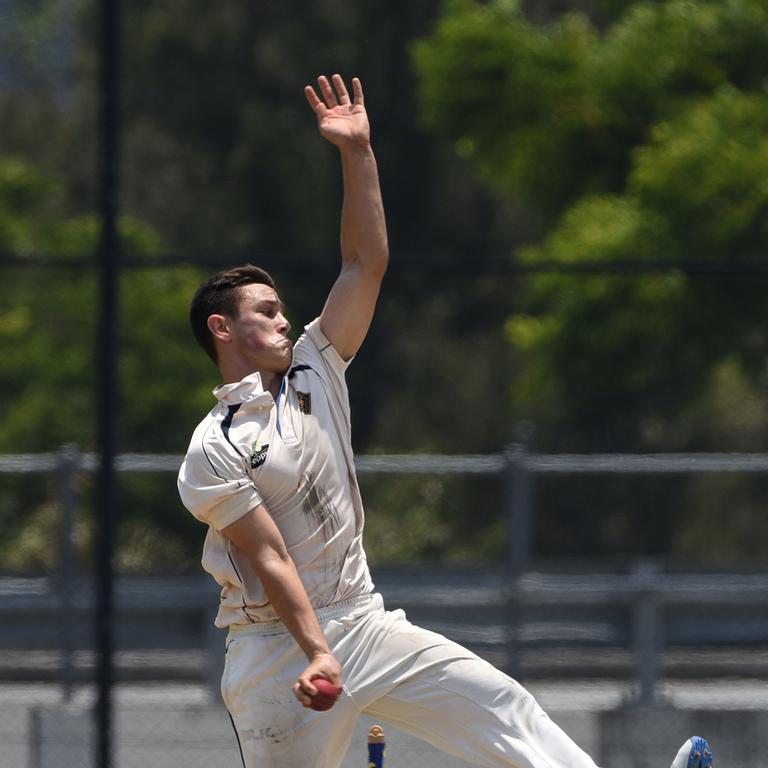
(372, 265)
(379, 261)
(379, 268)
(271, 564)
(384, 257)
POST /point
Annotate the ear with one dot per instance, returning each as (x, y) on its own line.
(219, 328)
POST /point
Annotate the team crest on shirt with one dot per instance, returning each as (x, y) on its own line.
(258, 454)
(305, 402)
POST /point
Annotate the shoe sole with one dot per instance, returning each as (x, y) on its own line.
(700, 755)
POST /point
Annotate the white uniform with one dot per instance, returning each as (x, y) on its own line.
(295, 456)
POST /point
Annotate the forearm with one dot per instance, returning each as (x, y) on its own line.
(256, 535)
(288, 597)
(363, 225)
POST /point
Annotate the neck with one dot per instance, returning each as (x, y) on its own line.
(270, 380)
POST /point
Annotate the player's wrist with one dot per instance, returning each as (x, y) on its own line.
(357, 147)
(316, 654)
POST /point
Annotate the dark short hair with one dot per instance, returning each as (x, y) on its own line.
(218, 296)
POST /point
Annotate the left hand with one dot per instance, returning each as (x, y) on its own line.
(341, 120)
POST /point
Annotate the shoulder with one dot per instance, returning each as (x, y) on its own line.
(313, 349)
(209, 450)
(318, 366)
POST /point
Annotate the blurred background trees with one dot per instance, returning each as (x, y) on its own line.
(643, 144)
(602, 137)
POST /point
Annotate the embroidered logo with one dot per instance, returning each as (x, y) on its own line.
(305, 402)
(258, 454)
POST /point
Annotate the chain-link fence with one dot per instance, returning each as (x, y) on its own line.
(591, 642)
(628, 591)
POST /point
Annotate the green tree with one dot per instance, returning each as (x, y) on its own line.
(221, 160)
(554, 112)
(642, 143)
(49, 376)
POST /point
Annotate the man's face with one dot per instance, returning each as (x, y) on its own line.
(260, 331)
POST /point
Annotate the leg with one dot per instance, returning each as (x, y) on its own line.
(480, 715)
(433, 688)
(272, 727)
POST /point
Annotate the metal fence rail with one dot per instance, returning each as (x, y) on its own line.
(612, 626)
(467, 464)
(517, 617)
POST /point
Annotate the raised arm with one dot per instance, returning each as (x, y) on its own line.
(343, 121)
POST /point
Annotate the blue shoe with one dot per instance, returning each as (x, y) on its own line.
(695, 753)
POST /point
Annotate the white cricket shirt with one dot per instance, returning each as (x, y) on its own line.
(295, 457)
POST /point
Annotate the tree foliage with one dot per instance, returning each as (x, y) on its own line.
(634, 135)
(643, 143)
(634, 146)
(49, 370)
(221, 162)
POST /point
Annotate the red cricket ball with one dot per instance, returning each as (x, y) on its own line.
(326, 695)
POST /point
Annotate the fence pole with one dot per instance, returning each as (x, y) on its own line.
(69, 463)
(646, 632)
(517, 493)
(108, 401)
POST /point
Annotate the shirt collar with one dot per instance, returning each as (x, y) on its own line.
(242, 391)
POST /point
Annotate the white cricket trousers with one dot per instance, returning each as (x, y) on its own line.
(398, 673)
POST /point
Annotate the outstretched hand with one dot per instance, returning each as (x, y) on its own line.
(341, 120)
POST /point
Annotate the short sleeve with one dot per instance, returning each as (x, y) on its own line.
(214, 486)
(328, 352)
